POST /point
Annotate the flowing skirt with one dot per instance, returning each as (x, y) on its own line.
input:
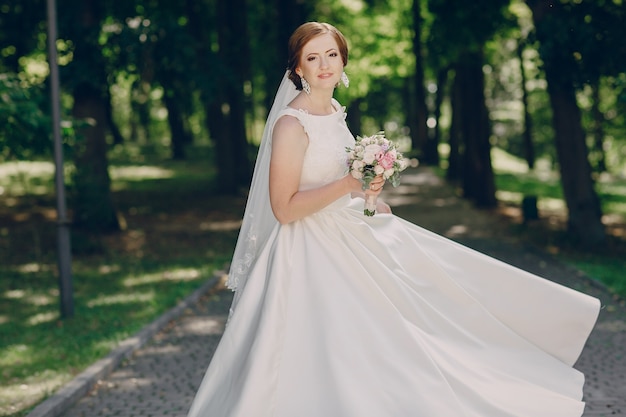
(345, 315)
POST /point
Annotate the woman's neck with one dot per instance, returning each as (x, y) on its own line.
(318, 102)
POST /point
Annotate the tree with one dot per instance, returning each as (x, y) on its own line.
(529, 147)
(459, 31)
(561, 70)
(232, 148)
(478, 178)
(418, 120)
(92, 200)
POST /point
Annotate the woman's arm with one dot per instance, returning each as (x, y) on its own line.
(289, 144)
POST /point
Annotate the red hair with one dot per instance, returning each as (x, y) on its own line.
(301, 36)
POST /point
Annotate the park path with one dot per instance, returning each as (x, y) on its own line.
(159, 377)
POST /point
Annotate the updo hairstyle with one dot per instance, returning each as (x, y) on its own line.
(301, 36)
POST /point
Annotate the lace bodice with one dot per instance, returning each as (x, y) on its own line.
(325, 158)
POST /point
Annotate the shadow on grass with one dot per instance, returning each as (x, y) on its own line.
(177, 232)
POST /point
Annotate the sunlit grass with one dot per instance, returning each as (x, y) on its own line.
(514, 181)
(117, 289)
(42, 352)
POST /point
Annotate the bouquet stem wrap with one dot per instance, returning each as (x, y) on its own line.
(370, 205)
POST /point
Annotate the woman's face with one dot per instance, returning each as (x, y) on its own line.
(321, 63)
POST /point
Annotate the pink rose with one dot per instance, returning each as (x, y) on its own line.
(387, 160)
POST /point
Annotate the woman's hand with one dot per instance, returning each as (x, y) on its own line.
(375, 188)
(376, 185)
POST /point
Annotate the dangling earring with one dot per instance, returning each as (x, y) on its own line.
(305, 85)
(345, 80)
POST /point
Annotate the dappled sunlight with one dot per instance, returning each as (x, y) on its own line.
(4, 319)
(139, 173)
(108, 269)
(16, 354)
(505, 162)
(164, 350)
(22, 177)
(42, 318)
(547, 204)
(220, 226)
(443, 202)
(181, 274)
(398, 200)
(457, 230)
(205, 326)
(40, 300)
(419, 179)
(15, 294)
(36, 299)
(509, 196)
(32, 267)
(104, 300)
(29, 168)
(551, 204)
(19, 396)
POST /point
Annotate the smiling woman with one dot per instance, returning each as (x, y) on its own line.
(336, 313)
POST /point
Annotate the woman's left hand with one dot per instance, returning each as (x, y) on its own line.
(376, 185)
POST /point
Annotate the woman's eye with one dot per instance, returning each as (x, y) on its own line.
(311, 58)
(333, 54)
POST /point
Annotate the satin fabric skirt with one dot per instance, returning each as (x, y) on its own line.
(350, 316)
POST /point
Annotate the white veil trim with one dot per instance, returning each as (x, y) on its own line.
(258, 219)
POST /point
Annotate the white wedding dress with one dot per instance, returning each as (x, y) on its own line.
(345, 315)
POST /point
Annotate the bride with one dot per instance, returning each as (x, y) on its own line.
(337, 314)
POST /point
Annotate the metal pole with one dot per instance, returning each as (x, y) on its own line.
(63, 233)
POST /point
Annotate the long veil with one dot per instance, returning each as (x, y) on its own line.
(258, 219)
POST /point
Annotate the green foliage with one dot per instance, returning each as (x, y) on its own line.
(379, 36)
(583, 39)
(460, 26)
(24, 128)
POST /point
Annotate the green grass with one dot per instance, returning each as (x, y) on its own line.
(178, 233)
(607, 265)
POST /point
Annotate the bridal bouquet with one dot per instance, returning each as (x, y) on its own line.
(373, 156)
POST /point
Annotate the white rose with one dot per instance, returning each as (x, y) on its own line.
(358, 165)
(357, 174)
(369, 154)
(388, 173)
(369, 157)
(378, 170)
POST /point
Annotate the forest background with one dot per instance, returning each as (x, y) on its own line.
(521, 104)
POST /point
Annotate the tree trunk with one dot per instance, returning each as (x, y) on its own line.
(118, 139)
(584, 212)
(431, 151)
(584, 222)
(353, 118)
(455, 168)
(419, 128)
(234, 170)
(93, 204)
(529, 148)
(478, 179)
(598, 128)
(200, 31)
(178, 133)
